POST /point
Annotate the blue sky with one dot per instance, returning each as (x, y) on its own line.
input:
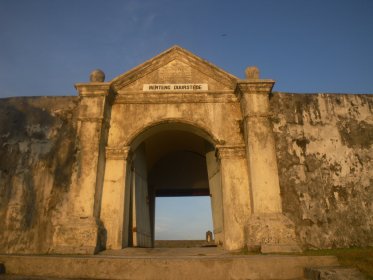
(186, 218)
(306, 46)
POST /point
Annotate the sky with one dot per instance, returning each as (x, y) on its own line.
(183, 218)
(46, 46)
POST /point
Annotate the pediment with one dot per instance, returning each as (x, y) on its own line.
(175, 66)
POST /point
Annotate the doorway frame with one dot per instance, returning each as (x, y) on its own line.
(234, 185)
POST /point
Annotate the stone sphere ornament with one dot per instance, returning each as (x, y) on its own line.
(97, 76)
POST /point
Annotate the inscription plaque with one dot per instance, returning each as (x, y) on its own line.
(175, 87)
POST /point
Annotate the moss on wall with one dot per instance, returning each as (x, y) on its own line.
(324, 146)
(37, 140)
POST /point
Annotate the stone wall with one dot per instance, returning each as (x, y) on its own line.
(324, 145)
(324, 148)
(37, 154)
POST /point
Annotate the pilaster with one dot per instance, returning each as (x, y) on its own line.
(79, 232)
(235, 195)
(261, 153)
(92, 124)
(267, 228)
(116, 196)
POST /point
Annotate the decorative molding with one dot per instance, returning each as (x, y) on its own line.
(228, 152)
(140, 97)
(255, 86)
(118, 153)
(174, 53)
(93, 89)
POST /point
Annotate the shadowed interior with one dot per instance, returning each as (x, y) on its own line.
(177, 164)
(167, 163)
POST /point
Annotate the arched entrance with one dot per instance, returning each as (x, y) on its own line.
(174, 91)
(136, 173)
(171, 159)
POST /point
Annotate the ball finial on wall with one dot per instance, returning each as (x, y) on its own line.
(252, 72)
(97, 76)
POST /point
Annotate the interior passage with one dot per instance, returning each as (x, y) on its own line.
(175, 188)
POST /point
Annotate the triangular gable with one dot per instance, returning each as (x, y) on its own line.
(175, 66)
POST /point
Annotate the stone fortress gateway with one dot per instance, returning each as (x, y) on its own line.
(284, 171)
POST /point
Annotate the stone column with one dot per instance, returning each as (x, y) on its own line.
(261, 153)
(78, 233)
(116, 197)
(267, 228)
(235, 195)
(213, 172)
(92, 119)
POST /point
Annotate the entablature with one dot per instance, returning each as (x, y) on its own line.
(138, 97)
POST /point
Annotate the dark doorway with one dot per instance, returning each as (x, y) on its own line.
(172, 163)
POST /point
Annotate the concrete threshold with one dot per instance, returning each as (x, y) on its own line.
(174, 252)
(157, 266)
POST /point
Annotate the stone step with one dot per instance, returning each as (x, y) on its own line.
(22, 277)
(25, 277)
(333, 273)
(164, 267)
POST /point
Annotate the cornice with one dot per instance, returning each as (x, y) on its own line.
(175, 97)
(254, 86)
(93, 89)
(174, 53)
(229, 152)
(118, 153)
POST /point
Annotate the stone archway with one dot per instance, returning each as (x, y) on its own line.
(176, 87)
(172, 159)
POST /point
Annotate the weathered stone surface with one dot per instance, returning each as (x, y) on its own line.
(325, 157)
(271, 233)
(97, 76)
(66, 235)
(333, 273)
(37, 155)
(252, 72)
(179, 264)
